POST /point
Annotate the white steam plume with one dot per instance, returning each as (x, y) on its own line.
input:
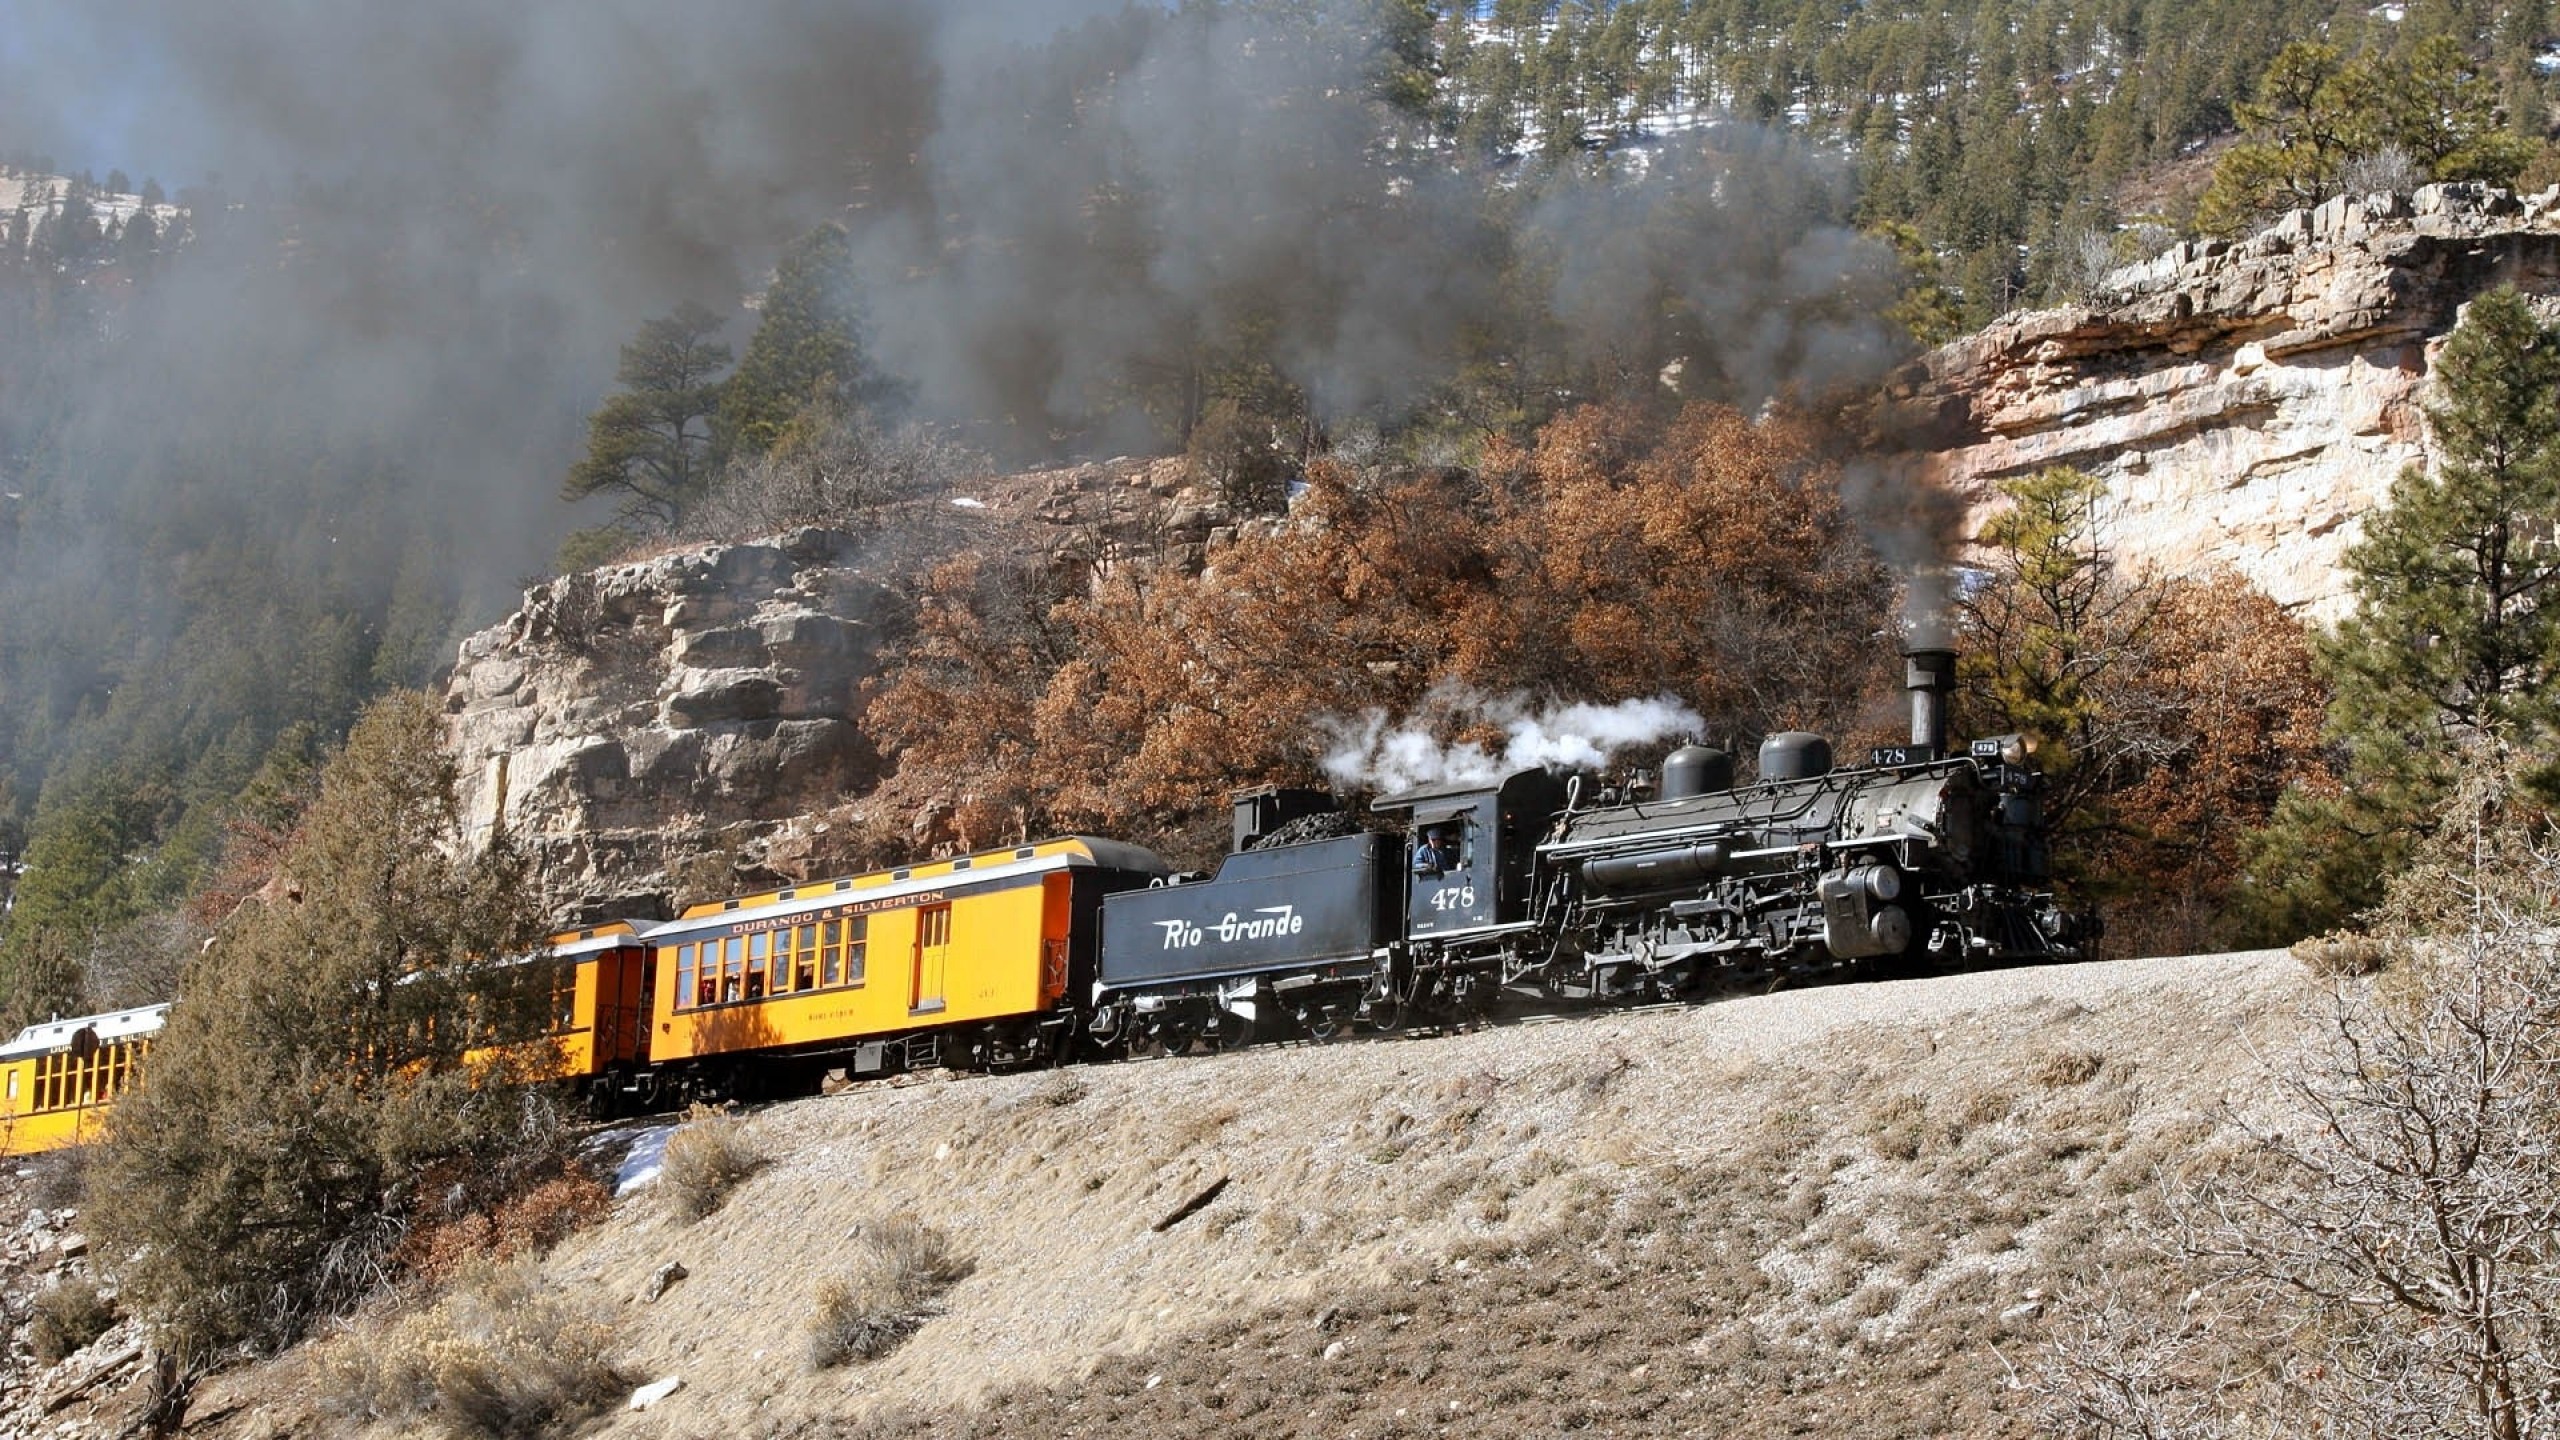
(1372, 752)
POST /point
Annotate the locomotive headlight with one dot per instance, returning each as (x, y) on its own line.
(2012, 750)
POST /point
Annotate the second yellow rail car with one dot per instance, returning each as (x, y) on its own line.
(968, 961)
(58, 1079)
(596, 1036)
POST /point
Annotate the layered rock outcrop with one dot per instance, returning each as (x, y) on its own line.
(625, 716)
(2247, 403)
(691, 722)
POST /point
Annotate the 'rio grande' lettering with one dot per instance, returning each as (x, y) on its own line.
(1269, 922)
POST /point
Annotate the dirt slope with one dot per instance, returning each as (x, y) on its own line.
(1848, 1209)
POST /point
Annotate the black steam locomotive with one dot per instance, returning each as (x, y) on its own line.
(1526, 893)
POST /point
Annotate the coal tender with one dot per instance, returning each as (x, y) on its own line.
(1282, 942)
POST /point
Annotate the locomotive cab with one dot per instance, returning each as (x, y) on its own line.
(1473, 847)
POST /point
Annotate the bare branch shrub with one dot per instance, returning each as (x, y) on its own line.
(68, 1315)
(2118, 1368)
(706, 1159)
(139, 963)
(2088, 257)
(502, 1353)
(2396, 1217)
(839, 480)
(2390, 170)
(899, 1271)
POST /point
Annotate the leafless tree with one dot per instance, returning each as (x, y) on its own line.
(2392, 1213)
(842, 479)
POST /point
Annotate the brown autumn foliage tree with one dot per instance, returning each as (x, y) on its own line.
(2227, 699)
(1621, 554)
(2169, 715)
(958, 703)
(1712, 557)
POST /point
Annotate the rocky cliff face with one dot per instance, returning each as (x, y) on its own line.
(627, 716)
(691, 722)
(2247, 403)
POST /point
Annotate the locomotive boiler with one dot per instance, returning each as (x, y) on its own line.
(1920, 854)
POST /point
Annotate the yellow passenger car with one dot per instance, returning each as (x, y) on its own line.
(595, 1034)
(58, 1079)
(965, 962)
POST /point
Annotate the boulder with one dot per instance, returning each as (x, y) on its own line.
(728, 648)
(713, 697)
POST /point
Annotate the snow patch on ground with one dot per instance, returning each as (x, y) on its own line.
(641, 1161)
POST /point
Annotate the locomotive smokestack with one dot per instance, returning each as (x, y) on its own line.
(1929, 675)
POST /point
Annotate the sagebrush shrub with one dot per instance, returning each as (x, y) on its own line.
(501, 1353)
(67, 1317)
(900, 1268)
(2340, 954)
(706, 1159)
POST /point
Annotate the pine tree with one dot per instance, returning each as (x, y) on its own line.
(312, 1084)
(2318, 110)
(139, 238)
(2454, 642)
(2049, 624)
(81, 883)
(649, 447)
(807, 351)
(2452, 657)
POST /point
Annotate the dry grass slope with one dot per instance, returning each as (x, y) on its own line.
(1857, 1209)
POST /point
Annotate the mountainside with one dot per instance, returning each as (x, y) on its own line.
(1856, 1209)
(2245, 403)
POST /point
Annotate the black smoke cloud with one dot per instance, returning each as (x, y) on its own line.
(1054, 206)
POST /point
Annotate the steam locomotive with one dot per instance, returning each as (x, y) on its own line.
(1521, 892)
(1524, 892)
